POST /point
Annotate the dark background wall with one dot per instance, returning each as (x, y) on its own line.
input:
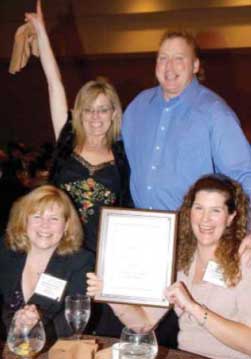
(24, 106)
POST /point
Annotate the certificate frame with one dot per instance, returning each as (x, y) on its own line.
(136, 255)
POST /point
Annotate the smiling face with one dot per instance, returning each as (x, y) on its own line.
(97, 118)
(176, 65)
(46, 229)
(210, 217)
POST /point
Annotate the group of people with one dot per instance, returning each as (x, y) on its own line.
(211, 294)
(187, 152)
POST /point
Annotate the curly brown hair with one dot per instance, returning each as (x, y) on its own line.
(40, 199)
(226, 253)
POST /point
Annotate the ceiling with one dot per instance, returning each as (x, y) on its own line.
(127, 26)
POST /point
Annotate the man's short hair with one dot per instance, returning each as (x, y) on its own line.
(185, 35)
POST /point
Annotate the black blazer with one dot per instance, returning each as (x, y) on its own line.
(72, 268)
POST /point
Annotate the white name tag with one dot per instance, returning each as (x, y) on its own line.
(51, 287)
(213, 274)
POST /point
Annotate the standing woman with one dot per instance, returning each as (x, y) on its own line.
(89, 162)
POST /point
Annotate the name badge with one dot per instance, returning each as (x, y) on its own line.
(214, 275)
(51, 287)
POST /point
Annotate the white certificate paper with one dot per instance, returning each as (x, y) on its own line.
(136, 255)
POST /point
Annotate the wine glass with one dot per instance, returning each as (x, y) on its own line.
(135, 344)
(25, 340)
(77, 313)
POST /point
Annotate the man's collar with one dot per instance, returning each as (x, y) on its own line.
(186, 96)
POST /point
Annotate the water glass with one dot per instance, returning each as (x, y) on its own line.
(26, 341)
(137, 345)
(77, 313)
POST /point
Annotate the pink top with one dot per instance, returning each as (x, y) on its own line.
(233, 303)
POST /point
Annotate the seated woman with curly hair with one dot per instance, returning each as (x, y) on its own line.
(44, 235)
(213, 289)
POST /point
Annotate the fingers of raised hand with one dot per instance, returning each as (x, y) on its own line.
(39, 9)
(29, 16)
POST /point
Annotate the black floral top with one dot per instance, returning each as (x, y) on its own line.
(90, 187)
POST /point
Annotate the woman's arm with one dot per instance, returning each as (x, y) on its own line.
(233, 334)
(137, 317)
(57, 97)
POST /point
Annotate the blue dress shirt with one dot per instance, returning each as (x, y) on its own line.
(170, 144)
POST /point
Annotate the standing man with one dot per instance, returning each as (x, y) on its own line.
(180, 130)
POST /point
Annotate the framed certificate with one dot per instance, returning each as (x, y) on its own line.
(136, 255)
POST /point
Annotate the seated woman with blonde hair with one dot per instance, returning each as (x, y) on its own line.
(44, 235)
(213, 289)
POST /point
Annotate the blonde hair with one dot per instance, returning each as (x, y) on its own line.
(40, 199)
(226, 254)
(85, 97)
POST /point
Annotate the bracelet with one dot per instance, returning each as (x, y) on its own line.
(205, 315)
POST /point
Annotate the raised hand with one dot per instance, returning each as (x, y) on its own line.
(57, 96)
(36, 18)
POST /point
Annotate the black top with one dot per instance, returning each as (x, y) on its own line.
(91, 187)
(71, 268)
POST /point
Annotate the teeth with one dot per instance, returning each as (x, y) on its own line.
(43, 235)
(171, 77)
(96, 124)
(206, 229)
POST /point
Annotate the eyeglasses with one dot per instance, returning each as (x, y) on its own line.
(101, 111)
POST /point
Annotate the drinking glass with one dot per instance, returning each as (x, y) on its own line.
(77, 313)
(136, 345)
(25, 341)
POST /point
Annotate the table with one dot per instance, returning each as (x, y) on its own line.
(164, 353)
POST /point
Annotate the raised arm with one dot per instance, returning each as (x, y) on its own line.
(57, 97)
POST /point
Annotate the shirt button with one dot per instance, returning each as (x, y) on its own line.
(149, 187)
(150, 207)
(162, 128)
(153, 167)
(167, 109)
(157, 148)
